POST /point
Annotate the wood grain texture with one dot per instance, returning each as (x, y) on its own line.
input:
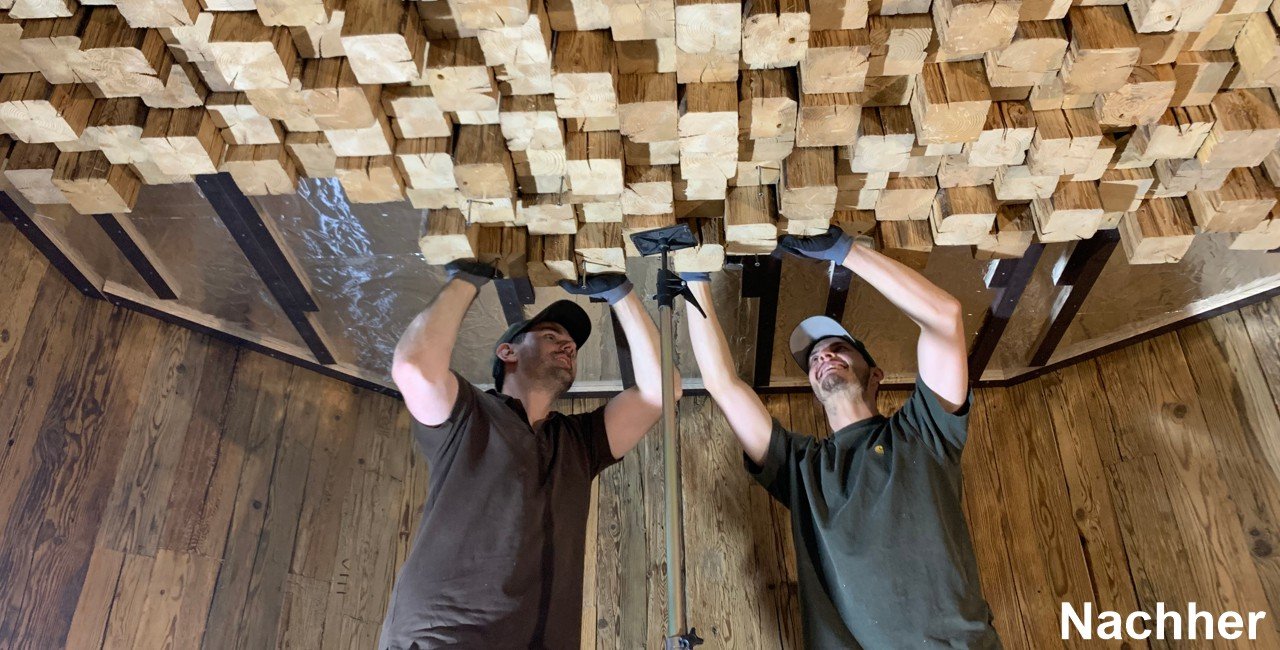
(163, 489)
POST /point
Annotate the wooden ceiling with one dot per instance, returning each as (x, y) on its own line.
(539, 134)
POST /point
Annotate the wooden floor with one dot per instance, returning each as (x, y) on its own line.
(161, 489)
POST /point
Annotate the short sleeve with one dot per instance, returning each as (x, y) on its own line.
(432, 439)
(776, 470)
(924, 415)
(589, 428)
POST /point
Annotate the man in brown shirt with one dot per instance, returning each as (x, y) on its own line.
(497, 559)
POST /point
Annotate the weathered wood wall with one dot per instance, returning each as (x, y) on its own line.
(160, 487)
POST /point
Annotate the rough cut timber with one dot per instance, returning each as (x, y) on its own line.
(482, 164)
(835, 62)
(708, 131)
(1005, 138)
(1037, 49)
(1243, 202)
(827, 120)
(909, 242)
(648, 191)
(826, 15)
(1141, 100)
(885, 142)
(118, 61)
(898, 44)
(415, 113)
(520, 54)
(240, 121)
(750, 225)
(1159, 232)
(461, 82)
(807, 191)
(708, 40)
(1013, 234)
(249, 54)
(261, 169)
(370, 179)
(546, 214)
(92, 185)
(1074, 211)
(601, 248)
(1246, 129)
(963, 215)
(968, 29)
(1102, 52)
(906, 199)
(448, 237)
(647, 108)
(585, 76)
(950, 102)
(182, 141)
(114, 128)
(1265, 237)
(549, 259)
(36, 111)
(775, 33)
(383, 41)
(593, 163)
(30, 170)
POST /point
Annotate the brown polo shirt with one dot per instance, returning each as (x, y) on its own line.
(497, 559)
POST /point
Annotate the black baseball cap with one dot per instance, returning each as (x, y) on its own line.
(813, 330)
(565, 313)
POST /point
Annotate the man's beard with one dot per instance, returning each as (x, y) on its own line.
(552, 377)
(835, 383)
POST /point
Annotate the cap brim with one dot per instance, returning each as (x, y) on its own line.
(810, 331)
(566, 314)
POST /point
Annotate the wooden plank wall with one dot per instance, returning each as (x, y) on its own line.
(161, 489)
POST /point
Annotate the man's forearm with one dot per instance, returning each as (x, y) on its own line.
(427, 344)
(710, 347)
(642, 339)
(921, 300)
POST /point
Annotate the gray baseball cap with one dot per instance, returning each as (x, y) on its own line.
(816, 328)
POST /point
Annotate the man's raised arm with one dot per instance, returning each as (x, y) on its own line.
(420, 367)
(941, 348)
(746, 414)
(634, 411)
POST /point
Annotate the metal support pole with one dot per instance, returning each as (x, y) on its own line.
(671, 474)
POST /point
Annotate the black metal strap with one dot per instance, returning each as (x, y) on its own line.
(58, 259)
(136, 257)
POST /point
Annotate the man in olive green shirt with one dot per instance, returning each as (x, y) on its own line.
(883, 554)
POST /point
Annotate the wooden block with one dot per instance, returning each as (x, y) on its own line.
(1265, 237)
(968, 29)
(906, 198)
(240, 121)
(549, 259)
(593, 163)
(1159, 232)
(648, 191)
(657, 56)
(373, 140)
(749, 218)
(1257, 51)
(286, 105)
(415, 113)
(767, 105)
(182, 141)
(1018, 183)
(1177, 177)
(36, 111)
(886, 91)
(460, 80)
(601, 248)
(183, 88)
(1102, 160)
(520, 54)
(957, 171)
(370, 179)
(708, 131)
(835, 62)
(494, 14)
(950, 102)
(1102, 51)
(92, 185)
(578, 15)
(1064, 142)
(157, 13)
(1246, 129)
(775, 33)
(30, 169)
(827, 15)
(313, 154)
(249, 54)
(647, 109)
(482, 164)
(898, 44)
(503, 248)
(1161, 47)
(703, 27)
(854, 222)
(1219, 33)
(1074, 211)
(1006, 136)
(53, 45)
(383, 41)
(261, 169)
(1240, 205)
(1013, 233)
(1123, 190)
(426, 163)
(14, 59)
(448, 237)
(1141, 100)
(807, 190)
(118, 61)
(315, 37)
(1037, 49)
(885, 142)
(546, 214)
(827, 120)
(708, 255)
(1178, 133)
(1171, 15)
(908, 242)
(1198, 76)
(963, 215)
(584, 75)
(114, 128)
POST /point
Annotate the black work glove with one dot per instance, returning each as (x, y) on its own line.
(471, 271)
(610, 286)
(833, 245)
(695, 276)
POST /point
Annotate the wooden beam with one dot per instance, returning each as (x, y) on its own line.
(1075, 274)
(1014, 280)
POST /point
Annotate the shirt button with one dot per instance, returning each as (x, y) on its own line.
(879, 449)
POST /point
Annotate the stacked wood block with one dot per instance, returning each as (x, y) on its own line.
(540, 134)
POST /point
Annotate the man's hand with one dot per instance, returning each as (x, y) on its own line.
(473, 272)
(832, 245)
(610, 286)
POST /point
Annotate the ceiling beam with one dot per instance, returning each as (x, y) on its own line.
(139, 255)
(1009, 278)
(1075, 274)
